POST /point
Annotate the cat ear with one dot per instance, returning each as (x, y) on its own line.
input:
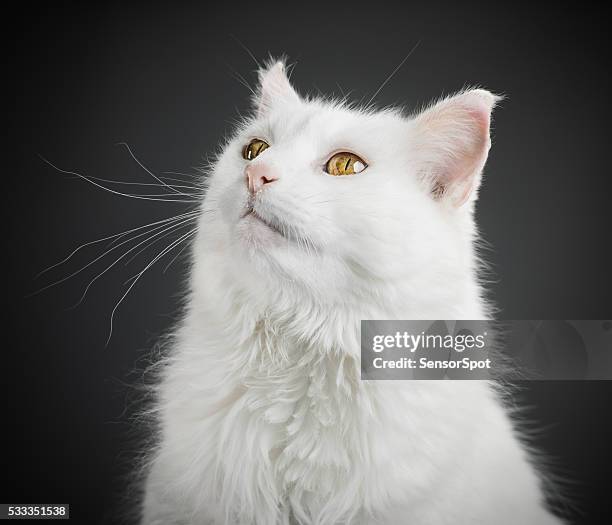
(451, 144)
(274, 87)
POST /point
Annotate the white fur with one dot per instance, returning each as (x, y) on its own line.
(263, 417)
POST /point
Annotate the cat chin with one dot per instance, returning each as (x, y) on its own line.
(254, 232)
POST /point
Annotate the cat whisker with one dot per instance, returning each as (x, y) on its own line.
(125, 183)
(115, 237)
(171, 228)
(154, 195)
(145, 168)
(386, 81)
(93, 182)
(247, 50)
(192, 177)
(175, 258)
(237, 76)
(162, 224)
(155, 241)
(168, 248)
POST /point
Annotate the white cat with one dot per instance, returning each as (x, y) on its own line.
(318, 215)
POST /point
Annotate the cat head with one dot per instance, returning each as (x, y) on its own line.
(334, 197)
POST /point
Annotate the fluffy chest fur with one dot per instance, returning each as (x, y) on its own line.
(285, 432)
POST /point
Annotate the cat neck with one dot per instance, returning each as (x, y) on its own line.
(329, 322)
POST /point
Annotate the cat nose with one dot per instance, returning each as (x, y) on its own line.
(258, 175)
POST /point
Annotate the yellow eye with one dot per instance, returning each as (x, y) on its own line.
(345, 164)
(254, 148)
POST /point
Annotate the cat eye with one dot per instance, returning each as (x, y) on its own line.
(345, 163)
(254, 148)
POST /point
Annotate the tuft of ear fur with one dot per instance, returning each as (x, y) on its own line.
(451, 144)
(274, 87)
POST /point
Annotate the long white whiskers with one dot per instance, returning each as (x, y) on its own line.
(152, 240)
(126, 183)
(140, 274)
(175, 258)
(179, 217)
(114, 236)
(113, 191)
(169, 229)
(147, 169)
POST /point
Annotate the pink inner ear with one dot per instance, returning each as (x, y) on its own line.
(469, 173)
(274, 87)
(480, 103)
(455, 136)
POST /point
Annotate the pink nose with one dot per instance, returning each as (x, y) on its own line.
(257, 175)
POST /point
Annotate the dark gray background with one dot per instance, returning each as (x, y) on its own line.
(161, 78)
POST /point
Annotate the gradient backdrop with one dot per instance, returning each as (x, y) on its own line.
(163, 79)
